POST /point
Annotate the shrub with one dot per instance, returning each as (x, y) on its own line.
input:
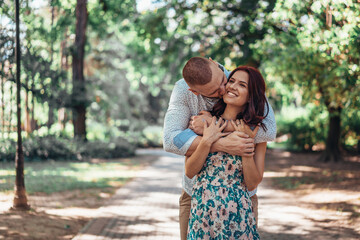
(306, 127)
(151, 136)
(117, 148)
(48, 147)
(7, 150)
(51, 147)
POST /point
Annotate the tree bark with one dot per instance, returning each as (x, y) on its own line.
(11, 110)
(32, 121)
(50, 117)
(63, 55)
(27, 124)
(79, 108)
(2, 106)
(332, 151)
(50, 121)
(20, 199)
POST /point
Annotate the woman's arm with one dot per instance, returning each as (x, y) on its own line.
(253, 167)
(212, 133)
(195, 162)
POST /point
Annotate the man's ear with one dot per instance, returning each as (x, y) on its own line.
(193, 91)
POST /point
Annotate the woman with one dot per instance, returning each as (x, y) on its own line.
(221, 207)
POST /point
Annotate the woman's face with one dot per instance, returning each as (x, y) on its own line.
(237, 93)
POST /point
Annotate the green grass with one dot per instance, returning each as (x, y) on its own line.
(291, 183)
(49, 176)
(283, 146)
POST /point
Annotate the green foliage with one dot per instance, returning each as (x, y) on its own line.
(292, 183)
(151, 136)
(313, 48)
(7, 150)
(51, 176)
(134, 57)
(305, 127)
(49, 147)
(322, 60)
(117, 148)
(351, 129)
(55, 148)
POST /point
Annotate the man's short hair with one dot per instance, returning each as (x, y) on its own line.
(197, 71)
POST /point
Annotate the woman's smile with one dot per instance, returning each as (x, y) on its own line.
(231, 94)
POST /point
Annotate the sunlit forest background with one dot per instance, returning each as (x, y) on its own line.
(308, 51)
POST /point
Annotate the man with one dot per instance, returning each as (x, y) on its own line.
(203, 84)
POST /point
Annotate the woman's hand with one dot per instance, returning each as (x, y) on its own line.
(213, 131)
(240, 126)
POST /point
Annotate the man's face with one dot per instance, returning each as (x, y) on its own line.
(216, 87)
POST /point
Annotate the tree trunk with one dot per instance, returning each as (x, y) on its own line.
(27, 124)
(50, 117)
(11, 108)
(61, 118)
(332, 151)
(63, 55)
(20, 199)
(2, 106)
(32, 121)
(52, 38)
(79, 108)
(51, 108)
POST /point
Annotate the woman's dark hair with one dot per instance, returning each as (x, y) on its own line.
(253, 113)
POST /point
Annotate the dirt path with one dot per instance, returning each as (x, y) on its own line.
(283, 215)
(300, 198)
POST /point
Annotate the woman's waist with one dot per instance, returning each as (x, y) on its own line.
(228, 167)
(219, 180)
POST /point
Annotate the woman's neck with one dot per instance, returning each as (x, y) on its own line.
(231, 112)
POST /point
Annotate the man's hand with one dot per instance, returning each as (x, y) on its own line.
(197, 122)
(236, 143)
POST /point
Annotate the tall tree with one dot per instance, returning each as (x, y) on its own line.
(10, 127)
(79, 92)
(2, 79)
(315, 45)
(20, 199)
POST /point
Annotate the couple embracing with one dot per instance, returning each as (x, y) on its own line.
(221, 121)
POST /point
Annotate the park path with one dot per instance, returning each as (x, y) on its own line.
(147, 208)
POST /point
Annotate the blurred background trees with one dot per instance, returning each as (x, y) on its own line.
(134, 52)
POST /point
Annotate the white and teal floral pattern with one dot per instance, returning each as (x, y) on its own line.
(220, 205)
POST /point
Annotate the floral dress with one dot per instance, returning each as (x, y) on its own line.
(220, 204)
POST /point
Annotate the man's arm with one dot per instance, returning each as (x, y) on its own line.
(236, 143)
(262, 135)
(177, 138)
(270, 123)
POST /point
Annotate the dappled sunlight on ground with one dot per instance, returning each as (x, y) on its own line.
(327, 194)
(299, 198)
(146, 208)
(59, 214)
(62, 215)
